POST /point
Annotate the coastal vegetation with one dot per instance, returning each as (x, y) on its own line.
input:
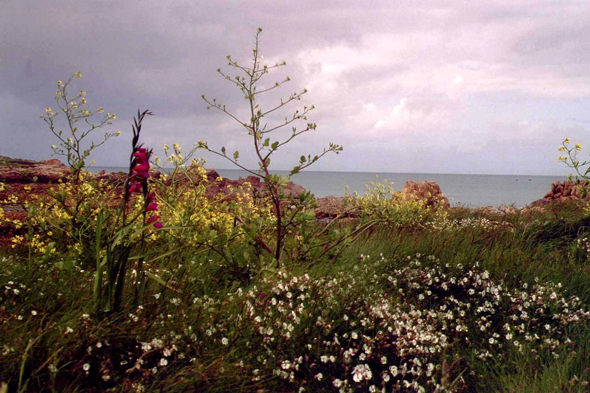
(162, 280)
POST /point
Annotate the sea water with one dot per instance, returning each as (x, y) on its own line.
(464, 190)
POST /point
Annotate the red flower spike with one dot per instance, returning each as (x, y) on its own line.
(143, 167)
(152, 207)
(152, 219)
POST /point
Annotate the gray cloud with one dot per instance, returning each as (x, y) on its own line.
(477, 87)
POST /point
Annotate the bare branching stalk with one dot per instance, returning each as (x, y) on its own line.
(261, 135)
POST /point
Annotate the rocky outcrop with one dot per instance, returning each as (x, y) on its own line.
(330, 207)
(32, 177)
(428, 191)
(15, 170)
(565, 192)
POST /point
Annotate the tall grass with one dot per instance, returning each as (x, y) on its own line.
(208, 325)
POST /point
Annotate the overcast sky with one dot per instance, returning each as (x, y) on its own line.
(405, 86)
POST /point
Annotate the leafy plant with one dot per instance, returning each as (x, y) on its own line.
(117, 239)
(71, 141)
(264, 147)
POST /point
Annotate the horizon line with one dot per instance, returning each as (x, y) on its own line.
(372, 172)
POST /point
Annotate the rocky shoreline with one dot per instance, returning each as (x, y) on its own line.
(27, 179)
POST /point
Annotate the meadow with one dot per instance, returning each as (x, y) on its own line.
(474, 302)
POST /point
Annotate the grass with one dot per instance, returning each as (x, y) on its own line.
(403, 308)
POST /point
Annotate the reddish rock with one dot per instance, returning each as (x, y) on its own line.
(330, 207)
(564, 192)
(428, 191)
(15, 170)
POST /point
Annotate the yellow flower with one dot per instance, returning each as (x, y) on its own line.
(578, 146)
(100, 109)
(561, 149)
(117, 133)
(567, 141)
(60, 83)
(83, 101)
(82, 93)
(79, 74)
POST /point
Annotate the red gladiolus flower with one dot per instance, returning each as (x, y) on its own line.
(158, 225)
(142, 168)
(151, 195)
(140, 156)
(152, 207)
(135, 188)
(152, 219)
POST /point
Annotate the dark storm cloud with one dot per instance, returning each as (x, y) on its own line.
(391, 80)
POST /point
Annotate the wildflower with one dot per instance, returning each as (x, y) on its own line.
(144, 167)
(152, 219)
(163, 362)
(360, 372)
(86, 367)
(578, 147)
(152, 207)
(224, 341)
(567, 141)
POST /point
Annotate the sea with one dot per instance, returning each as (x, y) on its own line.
(461, 189)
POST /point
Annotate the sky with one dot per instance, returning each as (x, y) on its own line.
(475, 87)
